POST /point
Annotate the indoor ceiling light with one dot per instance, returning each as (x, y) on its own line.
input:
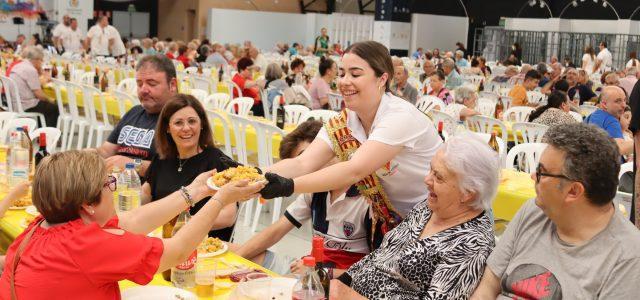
(574, 3)
(532, 2)
(542, 4)
(604, 4)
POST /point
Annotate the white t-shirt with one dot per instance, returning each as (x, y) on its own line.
(607, 60)
(60, 30)
(588, 63)
(399, 123)
(630, 63)
(100, 41)
(72, 40)
(118, 46)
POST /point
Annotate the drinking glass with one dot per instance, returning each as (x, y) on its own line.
(205, 277)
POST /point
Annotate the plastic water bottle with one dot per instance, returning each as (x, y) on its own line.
(128, 189)
(576, 96)
(308, 286)
(19, 160)
(183, 276)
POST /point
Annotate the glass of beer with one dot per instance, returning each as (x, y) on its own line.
(205, 277)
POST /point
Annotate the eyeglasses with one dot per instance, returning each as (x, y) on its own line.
(111, 183)
(539, 174)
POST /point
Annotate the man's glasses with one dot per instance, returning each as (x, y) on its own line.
(539, 174)
(111, 183)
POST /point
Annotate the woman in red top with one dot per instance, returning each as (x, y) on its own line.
(182, 55)
(79, 248)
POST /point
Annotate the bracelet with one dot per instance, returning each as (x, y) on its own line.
(329, 272)
(219, 201)
(187, 197)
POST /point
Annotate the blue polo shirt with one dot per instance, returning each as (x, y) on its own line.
(607, 122)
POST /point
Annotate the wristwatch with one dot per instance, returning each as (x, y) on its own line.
(136, 163)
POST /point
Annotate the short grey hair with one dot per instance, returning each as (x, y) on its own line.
(459, 52)
(612, 76)
(631, 71)
(476, 165)
(449, 63)
(591, 157)
(32, 53)
(273, 72)
(464, 92)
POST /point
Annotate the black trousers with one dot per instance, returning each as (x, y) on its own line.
(49, 110)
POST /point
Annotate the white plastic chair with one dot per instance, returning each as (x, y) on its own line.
(265, 133)
(201, 95)
(65, 117)
(587, 109)
(14, 101)
(504, 91)
(53, 135)
(123, 98)
(98, 125)
(128, 85)
(530, 132)
(449, 124)
(488, 95)
(318, 114)
(506, 102)
(487, 107)
(5, 117)
(213, 115)
(239, 125)
(218, 101)
(293, 113)
(428, 103)
(501, 144)
(624, 168)
(335, 101)
(518, 114)
(529, 152)
(14, 123)
(203, 82)
(536, 97)
(78, 120)
(576, 116)
(191, 70)
(484, 124)
(244, 106)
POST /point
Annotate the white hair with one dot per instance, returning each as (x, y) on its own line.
(32, 53)
(449, 63)
(476, 165)
(459, 52)
(464, 92)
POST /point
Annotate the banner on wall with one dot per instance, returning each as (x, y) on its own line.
(16, 8)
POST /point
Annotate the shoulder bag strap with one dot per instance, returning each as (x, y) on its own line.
(16, 260)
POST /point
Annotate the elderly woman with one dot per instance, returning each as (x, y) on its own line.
(466, 102)
(436, 88)
(184, 151)
(555, 112)
(26, 75)
(83, 248)
(275, 82)
(439, 250)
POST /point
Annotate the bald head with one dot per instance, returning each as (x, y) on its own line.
(613, 100)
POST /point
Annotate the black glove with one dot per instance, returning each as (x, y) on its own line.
(278, 186)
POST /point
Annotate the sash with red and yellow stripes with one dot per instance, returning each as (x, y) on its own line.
(345, 145)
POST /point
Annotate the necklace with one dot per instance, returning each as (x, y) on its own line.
(181, 162)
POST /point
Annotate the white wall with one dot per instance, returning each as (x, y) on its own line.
(436, 31)
(264, 29)
(574, 25)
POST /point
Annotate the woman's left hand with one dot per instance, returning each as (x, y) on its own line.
(297, 267)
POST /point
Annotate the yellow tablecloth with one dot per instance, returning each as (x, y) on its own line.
(515, 189)
(110, 101)
(251, 136)
(10, 228)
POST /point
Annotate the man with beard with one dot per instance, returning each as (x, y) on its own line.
(132, 139)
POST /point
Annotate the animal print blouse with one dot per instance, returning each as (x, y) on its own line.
(446, 265)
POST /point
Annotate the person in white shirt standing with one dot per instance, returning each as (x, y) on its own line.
(72, 38)
(604, 60)
(104, 39)
(59, 31)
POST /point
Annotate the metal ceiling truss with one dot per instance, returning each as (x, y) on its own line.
(304, 7)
